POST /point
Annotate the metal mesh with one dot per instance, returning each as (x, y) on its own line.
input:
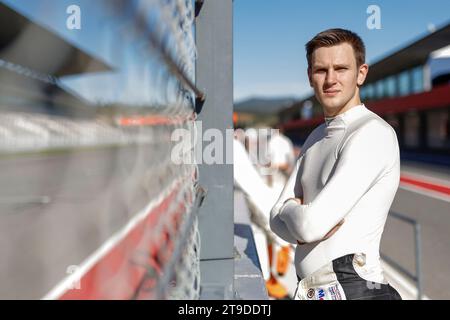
(174, 270)
(186, 282)
(91, 203)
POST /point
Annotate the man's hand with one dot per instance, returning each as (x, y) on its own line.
(298, 200)
(333, 231)
(328, 235)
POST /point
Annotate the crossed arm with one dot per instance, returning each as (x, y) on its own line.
(359, 166)
(283, 231)
(328, 235)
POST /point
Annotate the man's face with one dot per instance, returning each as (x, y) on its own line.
(334, 76)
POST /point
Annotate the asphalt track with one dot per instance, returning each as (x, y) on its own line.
(56, 208)
(432, 210)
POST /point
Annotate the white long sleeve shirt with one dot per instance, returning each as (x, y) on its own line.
(260, 195)
(250, 182)
(349, 169)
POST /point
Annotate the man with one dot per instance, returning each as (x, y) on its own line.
(260, 198)
(280, 151)
(281, 154)
(335, 204)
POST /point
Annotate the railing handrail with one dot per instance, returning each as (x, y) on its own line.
(417, 277)
(403, 217)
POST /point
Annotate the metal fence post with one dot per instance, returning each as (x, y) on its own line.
(214, 77)
(418, 260)
(417, 277)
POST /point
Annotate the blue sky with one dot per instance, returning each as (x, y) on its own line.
(269, 37)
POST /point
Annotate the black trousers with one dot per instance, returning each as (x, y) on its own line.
(357, 288)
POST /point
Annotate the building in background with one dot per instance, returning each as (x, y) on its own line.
(410, 89)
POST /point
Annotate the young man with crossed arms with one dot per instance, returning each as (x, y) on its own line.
(335, 204)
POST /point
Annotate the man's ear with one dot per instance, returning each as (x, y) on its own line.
(309, 77)
(362, 74)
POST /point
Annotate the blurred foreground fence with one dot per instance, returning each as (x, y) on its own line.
(120, 217)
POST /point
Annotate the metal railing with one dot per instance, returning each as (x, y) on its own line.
(417, 277)
(169, 271)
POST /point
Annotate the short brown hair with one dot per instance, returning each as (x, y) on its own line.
(333, 37)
